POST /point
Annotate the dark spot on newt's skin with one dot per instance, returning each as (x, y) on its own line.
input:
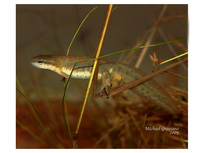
(88, 69)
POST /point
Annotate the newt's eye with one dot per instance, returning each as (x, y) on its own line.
(40, 61)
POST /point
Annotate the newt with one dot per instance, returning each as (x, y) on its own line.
(107, 73)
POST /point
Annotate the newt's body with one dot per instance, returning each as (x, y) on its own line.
(150, 90)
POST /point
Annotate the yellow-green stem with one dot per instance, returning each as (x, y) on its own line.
(171, 59)
(93, 70)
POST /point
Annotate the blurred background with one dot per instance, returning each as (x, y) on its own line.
(117, 122)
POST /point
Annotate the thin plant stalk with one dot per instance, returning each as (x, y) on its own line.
(19, 85)
(79, 28)
(140, 59)
(93, 70)
(146, 46)
(64, 105)
(170, 46)
(64, 110)
(178, 75)
(171, 59)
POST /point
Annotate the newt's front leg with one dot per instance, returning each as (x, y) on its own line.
(106, 82)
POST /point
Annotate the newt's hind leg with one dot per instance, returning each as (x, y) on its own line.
(106, 82)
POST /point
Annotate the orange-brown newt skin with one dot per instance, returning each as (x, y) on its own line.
(149, 90)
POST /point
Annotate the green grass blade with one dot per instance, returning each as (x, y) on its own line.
(79, 28)
(122, 51)
(64, 108)
(19, 85)
(30, 132)
(184, 140)
(65, 116)
(22, 90)
(171, 59)
(32, 107)
(153, 45)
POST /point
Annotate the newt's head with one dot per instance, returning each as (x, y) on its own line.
(44, 62)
